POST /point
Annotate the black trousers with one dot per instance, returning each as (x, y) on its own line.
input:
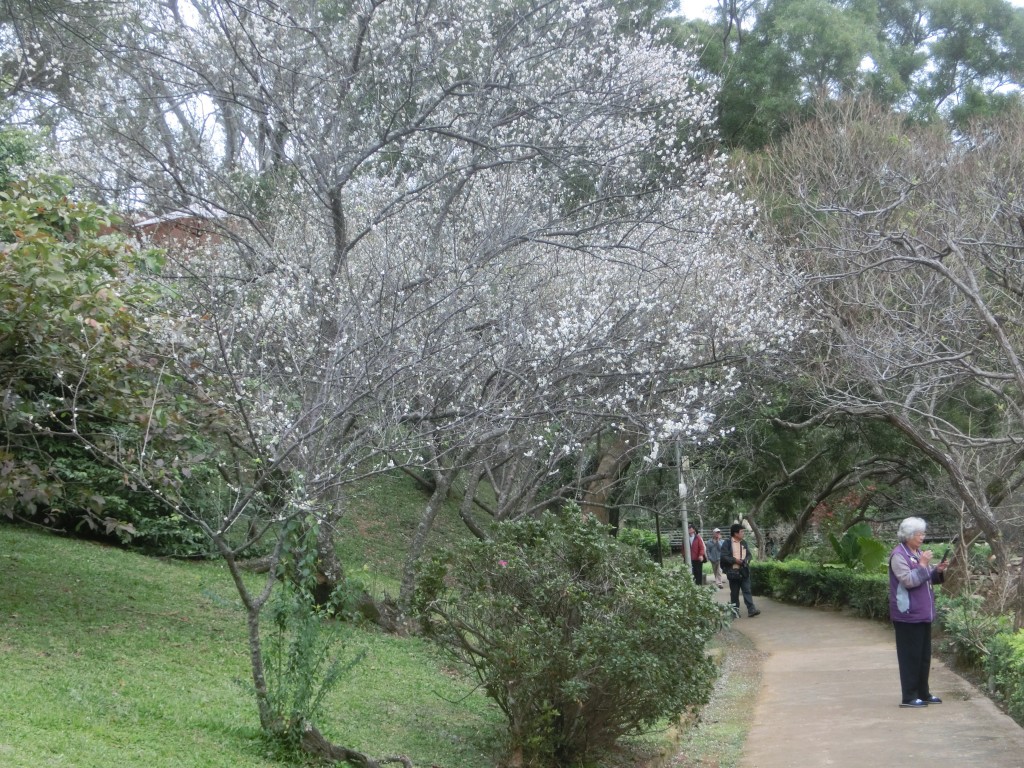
(698, 572)
(735, 585)
(914, 654)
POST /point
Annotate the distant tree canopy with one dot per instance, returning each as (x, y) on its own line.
(954, 59)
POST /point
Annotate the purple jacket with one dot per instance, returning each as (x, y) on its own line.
(911, 599)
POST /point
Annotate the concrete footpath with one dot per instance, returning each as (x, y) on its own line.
(830, 697)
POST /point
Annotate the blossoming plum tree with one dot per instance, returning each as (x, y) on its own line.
(466, 237)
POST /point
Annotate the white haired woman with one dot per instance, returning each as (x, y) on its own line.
(912, 610)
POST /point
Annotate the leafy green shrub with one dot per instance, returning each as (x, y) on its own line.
(968, 629)
(301, 664)
(791, 581)
(766, 577)
(578, 639)
(69, 315)
(169, 535)
(645, 540)
(802, 583)
(868, 596)
(302, 660)
(84, 376)
(859, 549)
(1005, 667)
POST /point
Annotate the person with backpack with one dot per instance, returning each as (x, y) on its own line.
(735, 562)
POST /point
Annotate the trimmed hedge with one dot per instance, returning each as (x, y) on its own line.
(803, 583)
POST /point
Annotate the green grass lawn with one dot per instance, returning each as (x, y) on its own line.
(108, 658)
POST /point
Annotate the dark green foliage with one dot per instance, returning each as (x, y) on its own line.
(82, 377)
(776, 473)
(64, 334)
(929, 58)
(968, 629)
(578, 639)
(983, 641)
(802, 583)
(17, 149)
(976, 48)
(645, 540)
(859, 549)
(1005, 667)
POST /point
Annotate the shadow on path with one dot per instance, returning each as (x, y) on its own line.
(830, 697)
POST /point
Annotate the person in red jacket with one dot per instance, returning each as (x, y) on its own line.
(698, 554)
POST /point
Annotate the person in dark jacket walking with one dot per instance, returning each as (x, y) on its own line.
(912, 610)
(735, 562)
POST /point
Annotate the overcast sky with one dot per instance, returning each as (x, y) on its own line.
(694, 9)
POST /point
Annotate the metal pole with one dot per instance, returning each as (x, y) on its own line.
(683, 465)
(657, 529)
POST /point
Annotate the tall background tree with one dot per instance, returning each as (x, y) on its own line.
(914, 237)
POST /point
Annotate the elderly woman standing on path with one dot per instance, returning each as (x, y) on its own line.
(912, 610)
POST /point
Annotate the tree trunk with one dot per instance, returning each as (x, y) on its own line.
(981, 514)
(339, 230)
(329, 570)
(253, 607)
(314, 743)
(957, 579)
(468, 501)
(614, 459)
(792, 541)
(419, 540)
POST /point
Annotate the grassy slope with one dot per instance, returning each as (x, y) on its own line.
(379, 522)
(100, 656)
(110, 658)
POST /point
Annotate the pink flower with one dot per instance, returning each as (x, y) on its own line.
(503, 563)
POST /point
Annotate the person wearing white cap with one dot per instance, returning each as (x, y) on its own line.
(714, 548)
